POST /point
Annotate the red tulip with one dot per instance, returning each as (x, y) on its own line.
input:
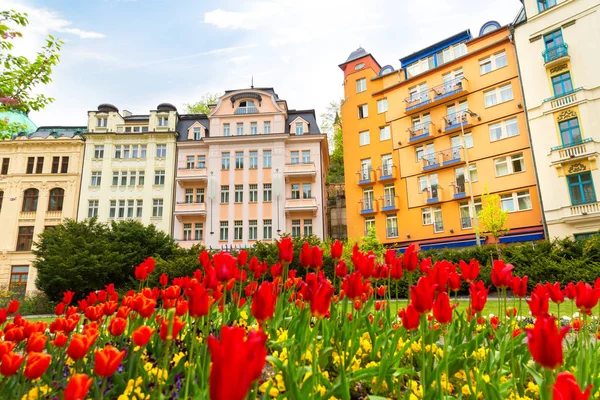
(236, 362)
(144, 306)
(479, 296)
(353, 286)
(59, 309)
(60, 340)
(545, 342)
(109, 308)
(242, 258)
(567, 388)
(365, 264)
(381, 291)
(587, 298)
(204, 259)
(396, 270)
(318, 292)
(68, 297)
(306, 255)
(37, 364)
(3, 315)
(164, 328)
(501, 274)
(442, 311)
(410, 318)
(538, 304)
(149, 263)
(341, 270)
(6, 347)
(108, 360)
(519, 286)
(439, 275)
(410, 259)
(276, 270)
(317, 257)
(198, 300)
(454, 281)
(224, 266)
(263, 302)
(11, 362)
(141, 336)
(470, 271)
(421, 295)
(117, 326)
(13, 306)
(36, 342)
(425, 266)
(141, 272)
(556, 294)
(163, 280)
(390, 257)
(286, 250)
(570, 291)
(79, 346)
(78, 387)
(336, 250)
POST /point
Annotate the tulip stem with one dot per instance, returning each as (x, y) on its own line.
(188, 375)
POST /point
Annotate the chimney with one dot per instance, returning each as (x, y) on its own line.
(126, 113)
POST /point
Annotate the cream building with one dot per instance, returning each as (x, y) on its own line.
(558, 59)
(129, 167)
(39, 188)
(249, 171)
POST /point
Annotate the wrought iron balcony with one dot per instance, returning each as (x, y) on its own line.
(450, 89)
(442, 158)
(365, 176)
(456, 120)
(420, 131)
(459, 189)
(389, 203)
(368, 206)
(246, 110)
(430, 161)
(433, 194)
(555, 53)
(417, 101)
(388, 172)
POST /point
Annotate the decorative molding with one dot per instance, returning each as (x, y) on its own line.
(577, 167)
(559, 68)
(567, 24)
(535, 38)
(567, 114)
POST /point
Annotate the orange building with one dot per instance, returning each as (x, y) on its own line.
(422, 143)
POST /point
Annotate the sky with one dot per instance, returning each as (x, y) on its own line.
(137, 54)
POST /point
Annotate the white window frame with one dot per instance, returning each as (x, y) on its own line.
(253, 128)
(391, 223)
(296, 228)
(157, 208)
(99, 152)
(473, 171)
(198, 231)
(161, 151)
(224, 194)
(502, 128)
(299, 128)
(267, 127)
(382, 105)
(496, 95)
(93, 208)
(252, 229)
(267, 160)
(524, 194)
(159, 178)
(384, 133)
(361, 85)
(437, 211)
(369, 222)
(363, 110)
(267, 192)
(364, 138)
(426, 216)
(238, 230)
(493, 62)
(267, 229)
(510, 166)
(253, 193)
(226, 129)
(253, 159)
(307, 227)
(224, 231)
(96, 179)
(238, 194)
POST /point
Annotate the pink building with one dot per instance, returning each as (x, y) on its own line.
(249, 171)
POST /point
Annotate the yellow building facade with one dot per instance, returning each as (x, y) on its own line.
(457, 128)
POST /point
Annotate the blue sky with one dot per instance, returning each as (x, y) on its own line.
(136, 54)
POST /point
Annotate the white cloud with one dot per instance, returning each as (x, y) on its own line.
(82, 34)
(252, 19)
(240, 59)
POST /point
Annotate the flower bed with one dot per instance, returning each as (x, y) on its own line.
(230, 333)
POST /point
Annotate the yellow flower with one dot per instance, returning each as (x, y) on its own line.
(244, 315)
(532, 388)
(177, 357)
(35, 393)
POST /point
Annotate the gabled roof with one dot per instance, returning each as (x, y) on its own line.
(307, 115)
(44, 132)
(357, 54)
(269, 90)
(186, 121)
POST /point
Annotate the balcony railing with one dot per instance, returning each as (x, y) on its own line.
(438, 226)
(556, 52)
(585, 209)
(184, 208)
(451, 155)
(570, 151)
(364, 175)
(419, 131)
(459, 188)
(389, 203)
(448, 89)
(301, 205)
(563, 100)
(433, 193)
(417, 100)
(53, 214)
(392, 232)
(246, 110)
(191, 174)
(430, 161)
(455, 120)
(29, 215)
(300, 169)
(368, 206)
(387, 172)
(465, 223)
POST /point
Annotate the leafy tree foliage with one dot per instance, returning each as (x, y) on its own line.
(85, 256)
(201, 106)
(492, 217)
(20, 76)
(332, 126)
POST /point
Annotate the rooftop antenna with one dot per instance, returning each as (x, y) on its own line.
(252, 83)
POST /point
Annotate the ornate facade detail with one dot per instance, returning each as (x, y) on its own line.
(577, 167)
(558, 68)
(567, 114)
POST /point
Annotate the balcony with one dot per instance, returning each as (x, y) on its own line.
(421, 132)
(387, 173)
(459, 189)
(585, 148)
(368, 206)
(390, 203)
(301, 205)
(392, 233)
(442, 159)
(454, 121)
(417, 101)
(450, 90)
(556, 103)
(26, 216)
(246, 110)
(188, 243)
(189, 209)
(300, 170)
(53, 215)
(365, 176)
(433, 194)
(191, 175)
(556, 54)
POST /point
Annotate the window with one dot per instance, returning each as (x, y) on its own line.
(295, 228)
(384, 133)
(391, 223)
(364, 138)
(113, 209)
(363, 111)
(581, 188)
(159, 177)
(504, 129)
(450, 53)
(295, 191)
(507, 202)
(96, 178)
(225, 161)
(562, 84)
(267, 229)
(187, 231)
(543, 5)
(423, 184)
(25, 238)
(509, 165)
(240, 128)
(102, 122)
(139, 207)
(5, 164)
(132, 177)
(473, 173)
(365, 167)
(524, 200)
(189, 162)
(163, 121)
(55, 201)
(197, 133)
(308, 227)
(143, 149)
(420, 153)
(157, 207)
(224, 231)
(30, 164)
(306, 191)
(361, 85)
(438, 225)
(266, 158)
(92, 208)
(134, 151)
(253, 128)
(459, 183)
(130, 204)
(224, 194)
(123, 178)
(382, 106)
(295, 157)
(239, 194)
(267, 127)
(305, 156)
(121, 210)
(117, 154)
(19, 274)
(267, 193)
(465, 215)
(161, 150)
(239, 159)
(201, 162)
(426, 216)
(387, 165)
(389, 196)
(39, 165)
(369, 224)
(569, 131)
(55, 164)
(189, 196)
(299, 128)
(252, 229)
(254, 159)
(368, 199)
(198, 230)
(238, 230)
(30, 200)
(199, 195)
(141, 178)
(498, 95)
(418, 94)
(226, 130)
(492, 62)
(253, 193)
(468, 140)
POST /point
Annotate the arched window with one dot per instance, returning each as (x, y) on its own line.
(30, 200)
(55, 203)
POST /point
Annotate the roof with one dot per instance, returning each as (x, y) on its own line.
(269, 90)
(55, 131)
(18, 117)
(459, 37)
(137, 118)
(307, 115)
(356, 54)
(186, 121)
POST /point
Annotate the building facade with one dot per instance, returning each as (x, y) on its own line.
(336, 212)
(556, 55)
(433, 137)
(39, 187)
(129, 166)
(249, 171)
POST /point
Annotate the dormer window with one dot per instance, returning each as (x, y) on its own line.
(246, 107)
(163, 121)
(197, 133)
(102, 122)
(299, 128)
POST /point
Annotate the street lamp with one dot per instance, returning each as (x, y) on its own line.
(468, 172)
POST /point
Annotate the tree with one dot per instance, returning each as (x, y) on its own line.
(85, 256)
(371, 242)
(201, 107)
(492, 217)
(19, 76)
(332, 126)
